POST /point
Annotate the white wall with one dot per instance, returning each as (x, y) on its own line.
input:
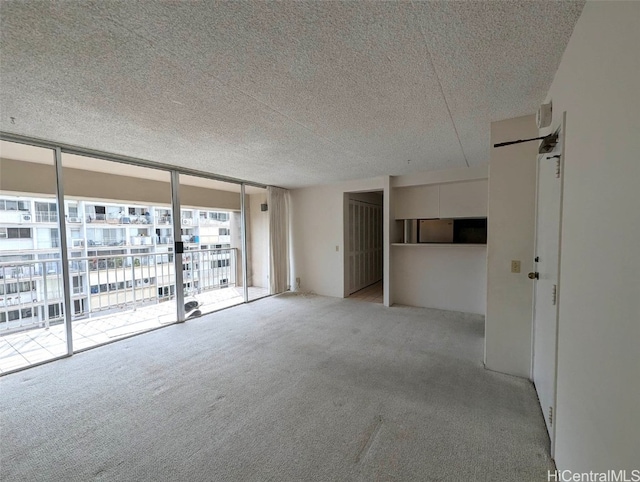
(511, 230)
(598, 392)
(443, 277)
(317, 228)
(258, 241)
(318, 217)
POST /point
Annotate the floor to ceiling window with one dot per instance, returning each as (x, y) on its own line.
(32, 307)
(145, 247)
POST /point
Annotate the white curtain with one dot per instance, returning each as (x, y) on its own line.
(278, 204)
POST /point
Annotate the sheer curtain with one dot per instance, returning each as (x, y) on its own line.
(278, 201)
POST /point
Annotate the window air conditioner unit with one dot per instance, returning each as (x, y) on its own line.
(26, 218)
(75, 220)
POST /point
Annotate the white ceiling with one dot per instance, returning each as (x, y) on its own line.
(285, 93)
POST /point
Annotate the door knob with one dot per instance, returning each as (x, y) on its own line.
(534, 275)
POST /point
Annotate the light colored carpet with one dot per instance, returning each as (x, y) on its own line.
(289, 388)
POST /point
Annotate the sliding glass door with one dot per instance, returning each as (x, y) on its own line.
(211, 233)
(120, 245)
(32, 301)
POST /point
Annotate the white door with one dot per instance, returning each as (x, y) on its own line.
(365, 244)
(546, 280)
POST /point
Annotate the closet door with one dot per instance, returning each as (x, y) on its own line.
(365, 244)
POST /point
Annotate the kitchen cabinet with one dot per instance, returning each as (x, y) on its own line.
(464, 199)
(417, 202)
(467, 199)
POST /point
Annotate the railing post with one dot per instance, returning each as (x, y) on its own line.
(106, 265)
(133, 281)
(46, 295)
(4, 283)
(155, 272)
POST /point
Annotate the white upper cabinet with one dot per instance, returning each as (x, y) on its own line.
(416, 202)
(464, 199)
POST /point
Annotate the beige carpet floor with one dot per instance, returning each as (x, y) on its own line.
(289, 388)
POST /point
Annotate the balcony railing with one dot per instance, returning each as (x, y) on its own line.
(46, 217)
(104, 284)
(96, 218)
(106, 242)
(122, 219)
(133, 241)
(207, 269)
(27, 308)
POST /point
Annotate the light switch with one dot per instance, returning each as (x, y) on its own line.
(337, 248)
(515, 265)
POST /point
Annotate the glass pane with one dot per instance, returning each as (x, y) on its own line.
(32, 326)
(257, 242)
(211, 232)
(120, 240)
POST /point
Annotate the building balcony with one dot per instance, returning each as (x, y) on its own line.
(106, 243)
(141, 241)
(96, 218)
(46, 217)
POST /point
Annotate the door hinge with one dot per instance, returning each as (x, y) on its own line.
(550, 416)
(557, 158)
(554, 294)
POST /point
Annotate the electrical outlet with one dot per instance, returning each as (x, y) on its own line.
(337, 248)
(515, 265)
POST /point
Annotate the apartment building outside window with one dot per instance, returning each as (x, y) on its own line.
(112, 237)
(15, 233)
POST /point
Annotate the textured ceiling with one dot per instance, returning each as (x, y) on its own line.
(285, 93)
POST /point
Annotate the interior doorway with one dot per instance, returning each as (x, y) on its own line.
(363, 246)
